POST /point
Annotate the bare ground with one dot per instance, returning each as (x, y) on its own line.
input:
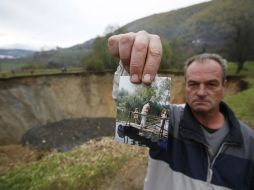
(66, 134)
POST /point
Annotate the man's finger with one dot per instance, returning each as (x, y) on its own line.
(125, 46)
(138, 56)
(113, 45)
(153, 59)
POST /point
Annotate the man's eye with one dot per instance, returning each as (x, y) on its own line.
(212, 84)
(192, 84)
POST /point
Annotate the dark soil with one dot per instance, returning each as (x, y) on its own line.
(66, 134)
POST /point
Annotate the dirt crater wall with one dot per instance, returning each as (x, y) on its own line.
(35, 101)
(31, 102)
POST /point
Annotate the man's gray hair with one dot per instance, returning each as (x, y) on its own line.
(208, 56)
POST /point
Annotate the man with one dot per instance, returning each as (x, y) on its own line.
(207, 147)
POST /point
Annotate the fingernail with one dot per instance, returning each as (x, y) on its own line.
(134, 78)
(147, 78)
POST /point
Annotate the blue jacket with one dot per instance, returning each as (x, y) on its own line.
(181, 162)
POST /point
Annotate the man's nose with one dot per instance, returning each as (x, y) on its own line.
(201, 90)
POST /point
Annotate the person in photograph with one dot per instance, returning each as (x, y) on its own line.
(207, 146)
(163, 116)
(136, 116)
(145, 110)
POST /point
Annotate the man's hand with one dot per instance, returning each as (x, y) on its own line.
(140, 54)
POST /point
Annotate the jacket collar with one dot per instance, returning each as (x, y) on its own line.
(190, 128)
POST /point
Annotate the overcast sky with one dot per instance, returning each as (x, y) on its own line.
(63, 23)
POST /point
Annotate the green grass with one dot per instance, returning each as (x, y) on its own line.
(11, 66)
(43, 72)
(38, 72)
(82, 168)
(242, 102)
(248, 69)
(243, 105)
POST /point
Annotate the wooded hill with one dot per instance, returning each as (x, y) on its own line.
(220, 26)
(211, 21)
(224, 27)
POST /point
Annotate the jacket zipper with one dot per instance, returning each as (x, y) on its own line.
(211, 162)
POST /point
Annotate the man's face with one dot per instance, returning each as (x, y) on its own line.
(204, 87)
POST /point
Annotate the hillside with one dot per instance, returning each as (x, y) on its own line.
(167, 24)
(56, 58)
(211, 22)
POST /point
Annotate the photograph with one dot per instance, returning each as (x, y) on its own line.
(142, 111)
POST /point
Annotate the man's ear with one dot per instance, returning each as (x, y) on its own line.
(224, 84)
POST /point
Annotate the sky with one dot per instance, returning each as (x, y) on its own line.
(45, 24)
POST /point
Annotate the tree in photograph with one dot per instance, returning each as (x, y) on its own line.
(163, 91)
